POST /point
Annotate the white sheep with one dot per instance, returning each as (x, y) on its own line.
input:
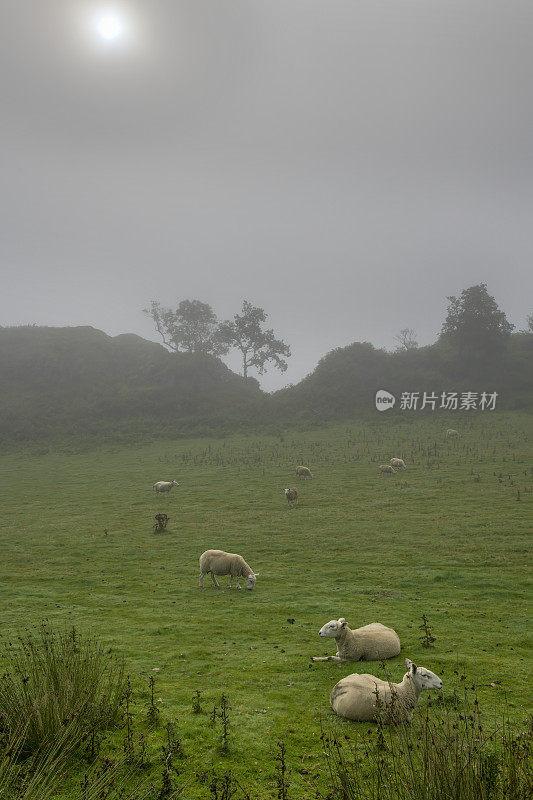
(218, 562)
(303, 472)
(364, 697)
(452, 433)
(292, 496)
(164, 486)
(372, 642)
(387, 469)
(399, 463)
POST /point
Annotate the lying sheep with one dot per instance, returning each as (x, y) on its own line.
(292, 496)
(452, 433)
(164, 486)
(303, 472)
(218, 562)
(364, 697)
(399, 463)
(373, 642)
(387, 469)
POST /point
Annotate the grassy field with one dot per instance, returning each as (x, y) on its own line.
(447, 538)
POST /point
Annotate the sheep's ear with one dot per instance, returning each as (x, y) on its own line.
(411, 667)
(256, 574)
(408, 664)
(342, 622)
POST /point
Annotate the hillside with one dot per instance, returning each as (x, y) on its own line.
(80, 383)
(345, 380)
(63, 382)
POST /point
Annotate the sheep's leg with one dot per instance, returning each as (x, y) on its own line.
(215, 581)
(230, 580)
(201, 581)
(326, 658)
(237, 582)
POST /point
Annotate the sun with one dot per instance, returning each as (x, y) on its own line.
(110, 27)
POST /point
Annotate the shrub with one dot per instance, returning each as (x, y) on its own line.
(54, 682)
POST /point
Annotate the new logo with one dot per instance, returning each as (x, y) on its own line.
(384, 400)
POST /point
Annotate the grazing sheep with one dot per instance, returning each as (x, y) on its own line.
(218, 562)
(292, 496)
(387, 469)
(303, 472)
(164, 486)
(399, 463)
(373, 642)
(452, 433)
(356, 696)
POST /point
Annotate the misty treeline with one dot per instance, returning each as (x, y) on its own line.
(476, 350)
(74, 384)
(194, 328)
(474, 328)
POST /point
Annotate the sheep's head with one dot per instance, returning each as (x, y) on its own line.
(250, 580)
(331, 629)
(423, 678)
(175, 483)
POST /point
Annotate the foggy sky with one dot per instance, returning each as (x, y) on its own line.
(344, 164)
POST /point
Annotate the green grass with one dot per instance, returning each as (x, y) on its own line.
(447, 538)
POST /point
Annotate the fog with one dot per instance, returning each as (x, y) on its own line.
(343, 164)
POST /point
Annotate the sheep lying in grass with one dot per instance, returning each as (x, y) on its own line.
(387, 469)
(303, 472)
(292, 496)
(451, 433)
(164, 486)
(373, 642)
(218, 562)
(399, 463)
(365, 698)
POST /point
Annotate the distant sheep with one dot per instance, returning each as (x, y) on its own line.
(303, 472)
(451, 433)
(164, 486)
(387, 469)
(292, 496)
(218, 562)
(399, 463)
(364, 697)
(372, 642)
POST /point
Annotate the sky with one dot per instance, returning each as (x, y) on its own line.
(344, 164)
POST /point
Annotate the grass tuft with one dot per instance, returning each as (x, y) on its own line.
(444, 755)
(56, 683)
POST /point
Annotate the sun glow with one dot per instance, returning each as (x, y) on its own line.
(110, 27)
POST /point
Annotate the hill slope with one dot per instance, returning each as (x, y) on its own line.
(79, 381)
(61, 383)
(346, 379)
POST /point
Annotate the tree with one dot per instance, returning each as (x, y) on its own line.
(406, 339)
(257, 345)
(192, 328)
(474, 325)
